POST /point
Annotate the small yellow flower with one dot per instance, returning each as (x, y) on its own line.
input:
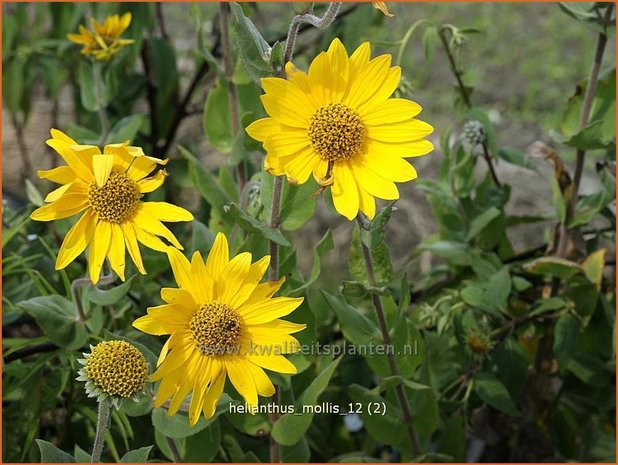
(339, 123)
(222, 323)
(383, 8)
(104, 41)
(114, 369)
(107, 187)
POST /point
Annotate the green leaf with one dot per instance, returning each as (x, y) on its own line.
(455, 252)
(356, 327)
(290, 428)
(203, 446)
(357, 289)
(375, 234)
(87, 86)
(81, 456)
(254, 51)
(178, 426)
(380, 257)
(125, 129)
(33, 194)
(58, 319)
(593, 267)
(205, 181)
(137, 456)
(558, 267)
(51, 454)
(321, 249)
(109, 296)
(516, 157)
(297, 204)
(566, 335)
(493, 392)
(482, 221)
(391, 381)
(253, 225)
(217, 117)
(498, 289)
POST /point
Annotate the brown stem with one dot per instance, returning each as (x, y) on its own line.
(386, 337)
(228, 66)
(593, 79)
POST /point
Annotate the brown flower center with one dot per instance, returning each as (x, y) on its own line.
(116, 200)
(336, 132)
(216, 329)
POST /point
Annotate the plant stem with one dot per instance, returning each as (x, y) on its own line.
(103, 420)
(96, 70)
(386, 337)
(323, 22)
(173, 449)
(83, 282)
(228, 66)
(587, 105)
(466, 98)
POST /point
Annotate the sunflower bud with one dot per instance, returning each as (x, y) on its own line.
(114, 369)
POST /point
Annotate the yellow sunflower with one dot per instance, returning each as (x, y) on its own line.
(105, 41)
(107, 187)
(221, 323)
(338, 122)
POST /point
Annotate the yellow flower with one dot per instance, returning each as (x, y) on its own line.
(105, 41)
(383, 8)
(222, 323)
(338, 122)
(107, 187)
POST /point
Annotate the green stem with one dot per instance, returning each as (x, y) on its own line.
(406, 38)
(103, 421)
(400, 391)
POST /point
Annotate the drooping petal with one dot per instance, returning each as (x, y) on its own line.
(77, 239)
(99, 247)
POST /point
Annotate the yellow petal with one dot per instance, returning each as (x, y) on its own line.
(405, 131)
(98, 249)
(60, 175)
(164, 211)
(149, 240)
(117, 251)
(415, 148)
(130, 241)
(76, 240)
(218, 257)
(202, 283)
(153, 183)
(102, 166)
(268, 310)
(262, 382)
(265, 291)
(368, 81)
(240, 376)
(65, 206)
(277, 363)
(390, 111)
(366, 203)
(299, 166)
(151, 224)
(262, 128)
(391, 168)
(345, 191)
(387, 87)
(214, 394)
(179, 297)
(359, 59)
(283, 112)
(242, 293)
(57, 134)
(199, 389)
(374, 184)
(287, 142)
(233, 276)
(181, 268)
(81, 165)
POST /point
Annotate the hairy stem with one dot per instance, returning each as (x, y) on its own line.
(402, 397)
(228, 66)
(322, 23)
(83, 282)
(103, 420)
(465, 96)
